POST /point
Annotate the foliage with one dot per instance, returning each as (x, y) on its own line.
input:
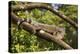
(23, 41)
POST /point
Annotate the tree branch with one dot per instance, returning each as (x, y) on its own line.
(28, 27)
(32, 6)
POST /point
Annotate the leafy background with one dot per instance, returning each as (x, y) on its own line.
(23, 41)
